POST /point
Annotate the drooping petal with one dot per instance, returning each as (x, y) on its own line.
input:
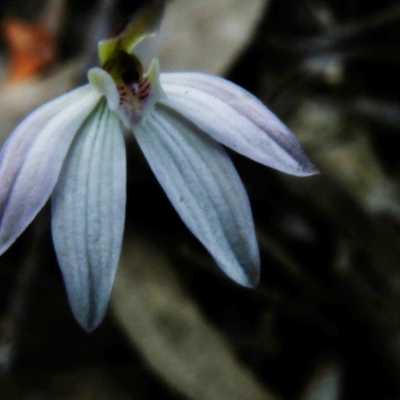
(235, 118)
(204, 187)
(88, 213)
(32, 157)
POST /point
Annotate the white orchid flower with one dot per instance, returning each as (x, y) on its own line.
(73, 150)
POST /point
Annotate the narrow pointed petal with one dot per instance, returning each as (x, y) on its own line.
(234, 117)
(32, 157)
(204, 187)
(88, 213)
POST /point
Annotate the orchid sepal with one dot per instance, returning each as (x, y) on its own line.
(237, 119)
(32, 157)
(88, 215)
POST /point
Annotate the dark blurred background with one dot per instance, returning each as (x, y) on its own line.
(324, 322)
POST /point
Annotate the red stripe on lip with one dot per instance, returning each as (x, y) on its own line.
(145, 88)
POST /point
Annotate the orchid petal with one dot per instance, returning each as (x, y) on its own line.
(32, 157)
(204, 187)
(88, 213)
(235, 118)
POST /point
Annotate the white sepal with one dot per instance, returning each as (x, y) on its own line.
(205, 189)
(237, 119)
(32, 157)
(88, 214)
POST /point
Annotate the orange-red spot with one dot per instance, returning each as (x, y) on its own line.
(31, 49)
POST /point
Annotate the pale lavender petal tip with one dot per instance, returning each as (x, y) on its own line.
(205, 189)
(32, 157)
(237, 119)
(88, 214)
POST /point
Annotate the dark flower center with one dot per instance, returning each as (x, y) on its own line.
(124, 66)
